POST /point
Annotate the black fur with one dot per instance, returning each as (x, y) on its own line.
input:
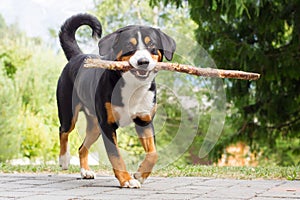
(67, 34)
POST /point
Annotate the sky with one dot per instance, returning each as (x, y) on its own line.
(35, 17)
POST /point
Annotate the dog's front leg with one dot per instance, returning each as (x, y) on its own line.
(146, 136)
(119, 167)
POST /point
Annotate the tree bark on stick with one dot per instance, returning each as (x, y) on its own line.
(182, 68)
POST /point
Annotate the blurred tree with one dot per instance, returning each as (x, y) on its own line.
(11, 58)
(10, 107)
(29, 72)
(260, 36)
(116, 14)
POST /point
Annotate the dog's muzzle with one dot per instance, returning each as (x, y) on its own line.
(143, 64)
(141, 71)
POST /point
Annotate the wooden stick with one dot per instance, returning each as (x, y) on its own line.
(188, 69)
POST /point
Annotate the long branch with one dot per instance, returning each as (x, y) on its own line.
(182, 68)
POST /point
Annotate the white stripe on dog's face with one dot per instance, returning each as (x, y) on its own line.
(142, 59)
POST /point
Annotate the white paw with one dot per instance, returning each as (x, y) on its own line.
(138, 176)
(64, 160)
(87, 174)
(132, 183)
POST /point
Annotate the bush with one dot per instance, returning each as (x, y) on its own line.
(9, 116)
(28, 75)
(37, 85)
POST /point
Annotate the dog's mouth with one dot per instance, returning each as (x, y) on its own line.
(141, 74)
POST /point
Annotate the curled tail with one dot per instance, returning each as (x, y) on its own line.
(68, 29)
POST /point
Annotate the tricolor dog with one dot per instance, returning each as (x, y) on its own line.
(111, 99)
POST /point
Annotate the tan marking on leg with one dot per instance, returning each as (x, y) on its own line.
(63, 139)
(122, 176)
(148, 141)
(112, 115)
(119, 169)
(151, 158)
(83, 156)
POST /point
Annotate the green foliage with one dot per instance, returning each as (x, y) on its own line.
(10, 102)
(259, 36)
(116, 14)
(9, 114)
(11, 56)
(28, 76)
(37, 87)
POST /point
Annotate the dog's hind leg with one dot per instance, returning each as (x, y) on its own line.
(92, 134)
(67, 117)
(67, 125)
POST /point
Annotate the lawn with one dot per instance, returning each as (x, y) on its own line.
(270, 172)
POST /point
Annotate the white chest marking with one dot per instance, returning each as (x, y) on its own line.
(136, 97)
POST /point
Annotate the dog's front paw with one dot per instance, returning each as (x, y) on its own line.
(132, 183)
(87, 174)
(138, 176)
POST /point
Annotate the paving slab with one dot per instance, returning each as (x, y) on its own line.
(70, 186)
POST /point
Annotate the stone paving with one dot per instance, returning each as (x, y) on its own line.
(62, 186)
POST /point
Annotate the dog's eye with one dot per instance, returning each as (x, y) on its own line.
(152, 49)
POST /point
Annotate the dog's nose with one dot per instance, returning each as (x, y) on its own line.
(143, 62)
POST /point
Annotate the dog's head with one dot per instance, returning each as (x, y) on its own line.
(142, 46)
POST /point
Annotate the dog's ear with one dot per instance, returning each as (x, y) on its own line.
(106, 44)
(168, 45)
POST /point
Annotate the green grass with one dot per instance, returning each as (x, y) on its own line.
(270, 172)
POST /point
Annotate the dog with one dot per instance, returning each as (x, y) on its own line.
(111, 99)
